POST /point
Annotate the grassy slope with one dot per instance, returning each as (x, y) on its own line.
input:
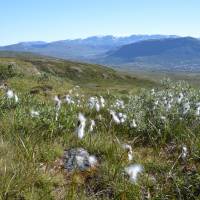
(156, 76)
(89, 76)
(29, 147)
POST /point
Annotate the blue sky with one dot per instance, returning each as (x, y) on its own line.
(49, 20)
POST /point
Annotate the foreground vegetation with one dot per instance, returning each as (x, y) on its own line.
(161, 125)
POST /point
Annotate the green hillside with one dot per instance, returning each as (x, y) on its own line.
(132, 142)
(171, 54)
(30, 71)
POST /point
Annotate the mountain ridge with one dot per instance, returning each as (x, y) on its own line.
(167, 54)
(78, 49)
(144, 52)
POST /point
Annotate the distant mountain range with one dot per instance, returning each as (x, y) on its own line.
(145, 52)
(182, 54)
(79, 49)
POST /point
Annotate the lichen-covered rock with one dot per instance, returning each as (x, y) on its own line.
(78, 159)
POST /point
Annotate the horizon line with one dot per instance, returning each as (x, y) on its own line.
(98, 36)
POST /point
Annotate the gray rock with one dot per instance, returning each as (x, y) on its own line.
(78, 159)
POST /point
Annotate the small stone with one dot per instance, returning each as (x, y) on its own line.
(78, 159)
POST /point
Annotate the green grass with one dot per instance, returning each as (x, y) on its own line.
(91, 77)
(31, 147)
(154, 75)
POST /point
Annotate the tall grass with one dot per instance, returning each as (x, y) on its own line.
(30, 147)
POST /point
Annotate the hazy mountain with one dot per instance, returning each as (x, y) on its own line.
(146, 52)
(111, 41)
(169, 54)
(79, 49)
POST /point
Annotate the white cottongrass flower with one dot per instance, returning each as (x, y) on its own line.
(124, 116)
(92, 125)
(120, 115)
(81, 126)
(198, 109)
(58, 105)
(100, 117)
(168, 106)
(180, 98)
(102, 101)
(93, 161)
(97, 106)
(170, 94)
(119, 104)
(128, 148)
(115, 117)
(56, 116)
(68, 99)
(10, 94)
(156, 102)
(133, 124)
(184, 152)
(186, 108)
(78, 103)
(165, 101)
(94, 103)
(133, 171)
(16, 98)
(171, 100)
(34, 113)
(3, 86)
(122, 120)
(91, 102)
(57, 102)
(153, 91)
(163, 118)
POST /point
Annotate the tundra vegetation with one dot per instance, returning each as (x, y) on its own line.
(135, 139)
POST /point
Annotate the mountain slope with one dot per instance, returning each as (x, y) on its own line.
(31, 68)
(169, 54)
(79, 49)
